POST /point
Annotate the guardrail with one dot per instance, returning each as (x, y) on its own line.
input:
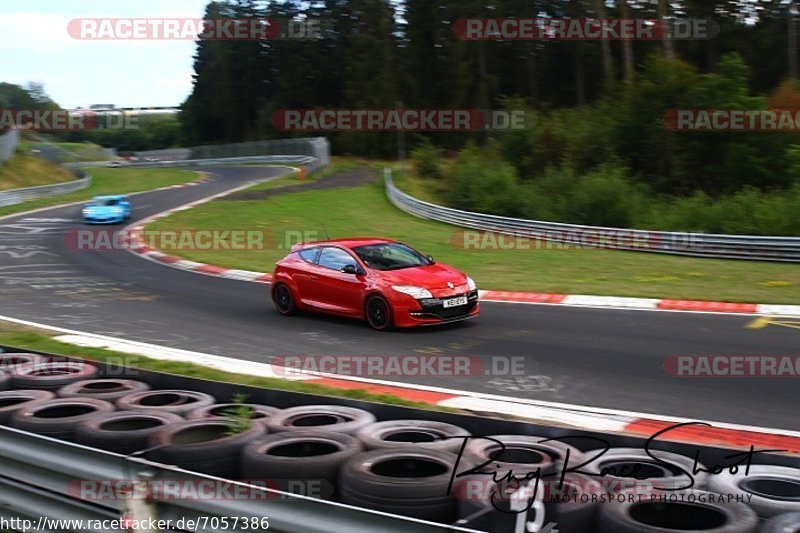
(43, 477)
(18, 196)
(751, 247)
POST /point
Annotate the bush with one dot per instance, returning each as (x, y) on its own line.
(426, 158)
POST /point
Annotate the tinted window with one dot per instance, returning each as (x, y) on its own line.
(390, 256)
(309, 254)
(335, 258)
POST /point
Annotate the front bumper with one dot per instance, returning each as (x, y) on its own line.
(116, 219)
(432, 311)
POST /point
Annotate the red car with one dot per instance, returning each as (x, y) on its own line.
(385, 282)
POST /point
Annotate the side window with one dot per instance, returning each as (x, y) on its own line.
(309, 254)
(335, 258)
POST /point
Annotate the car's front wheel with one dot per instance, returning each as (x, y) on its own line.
(378, 313)
(283, 299)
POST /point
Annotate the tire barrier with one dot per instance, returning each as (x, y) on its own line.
(419, 433)
(58, 417)
(51, 375)
(672, 517)
(336, 453)
(320, 417)
(773, 490)
(122, 432)
(9, 361)
(109, 390)
(5, 380)
(783, 523)
(620, 467)
(299, 462)
(254, 412)
(179, 402)
(205, 446)
(410, 482)
(13, 401)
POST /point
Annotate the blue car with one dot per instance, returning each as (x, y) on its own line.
(107, 210)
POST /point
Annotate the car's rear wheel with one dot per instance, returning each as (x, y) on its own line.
(378, 313)
(283, 299)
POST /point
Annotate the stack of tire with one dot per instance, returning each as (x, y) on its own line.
(417, 468)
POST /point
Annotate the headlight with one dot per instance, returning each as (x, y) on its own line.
(415, 292)
(471, 283)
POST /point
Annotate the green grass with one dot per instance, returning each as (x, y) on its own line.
(365, 211)
(71, 151)
(112, 181)
(37, 340)
(24, 170)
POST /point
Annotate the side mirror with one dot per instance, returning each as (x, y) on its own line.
(430, 259)
(350, 269)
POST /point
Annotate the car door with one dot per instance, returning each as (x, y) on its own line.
(335, 290)
(304, 274)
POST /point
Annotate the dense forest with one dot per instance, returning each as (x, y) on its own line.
(595, 150)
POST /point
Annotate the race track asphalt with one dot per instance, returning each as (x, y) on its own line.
(594, 357)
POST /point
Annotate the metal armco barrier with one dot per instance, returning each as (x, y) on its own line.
(311, 162)
(752, 247)
(17, 196)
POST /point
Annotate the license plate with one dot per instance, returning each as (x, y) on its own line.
(455, 302)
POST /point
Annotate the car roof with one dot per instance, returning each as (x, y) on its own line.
(350, 242)
(110, 197)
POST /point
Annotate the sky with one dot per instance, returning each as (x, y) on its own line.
(35, 46)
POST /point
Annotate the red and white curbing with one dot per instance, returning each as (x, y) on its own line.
(572, 300)
(138, 246)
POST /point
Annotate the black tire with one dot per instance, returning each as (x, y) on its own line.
(58, 417)
(774, 490)
(5, 380)
(9, 361)
(320, 418)
(179, 402)
(283, 299)
(204, 446)
(523, 453)
(411, 482)
(378, 313)
(782, 523)
(13, 401)
(571, 512)
(122, 432)
(110, 390)
(311, 457)
(258, 413)
(51, 376)
(649, 473)
(425, 434)
(647, 516)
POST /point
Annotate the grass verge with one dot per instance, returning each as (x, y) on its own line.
(112, 181)
(365, 210)
(24, 170)
(39, 340)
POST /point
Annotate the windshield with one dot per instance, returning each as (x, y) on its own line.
(100, 203)
(390, 256)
